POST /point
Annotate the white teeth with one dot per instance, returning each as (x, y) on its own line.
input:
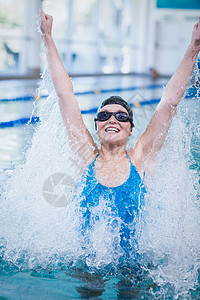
(111, 129)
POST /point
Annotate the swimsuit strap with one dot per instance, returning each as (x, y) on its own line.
(92, 164)
(133, 168)
(128, 157)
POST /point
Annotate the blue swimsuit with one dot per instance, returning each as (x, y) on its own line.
(121, 205)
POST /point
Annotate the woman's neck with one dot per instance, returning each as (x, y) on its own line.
(112, 152)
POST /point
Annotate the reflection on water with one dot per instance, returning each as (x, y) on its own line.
(93, 284)
(130, 284)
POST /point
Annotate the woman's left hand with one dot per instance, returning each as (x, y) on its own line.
(196, 35)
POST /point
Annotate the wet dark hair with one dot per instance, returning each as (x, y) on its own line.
(120, 101)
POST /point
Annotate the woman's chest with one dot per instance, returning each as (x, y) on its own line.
(112, 174)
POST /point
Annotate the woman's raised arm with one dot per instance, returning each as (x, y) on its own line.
(152, 139)
(70, 111)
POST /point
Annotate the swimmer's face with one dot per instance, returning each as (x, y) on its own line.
(113, 131)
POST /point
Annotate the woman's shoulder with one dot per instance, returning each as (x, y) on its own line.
(135, 158)
(88, 163)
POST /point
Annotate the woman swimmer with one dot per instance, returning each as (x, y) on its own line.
(114, 129)
(111, 168)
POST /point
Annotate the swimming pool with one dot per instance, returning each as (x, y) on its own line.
(90, 92)
(37, 264)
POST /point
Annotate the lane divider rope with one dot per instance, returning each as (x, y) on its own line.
(35, 119)
(19, 122)
(92, 92)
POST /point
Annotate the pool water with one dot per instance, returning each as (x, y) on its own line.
(41, 257)
(60, 285)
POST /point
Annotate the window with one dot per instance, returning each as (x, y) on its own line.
(11, 35)
(93, 36)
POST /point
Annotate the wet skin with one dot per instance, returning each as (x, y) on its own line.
(112, 167)
(112, 131)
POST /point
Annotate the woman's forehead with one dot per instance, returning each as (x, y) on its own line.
(113, 108)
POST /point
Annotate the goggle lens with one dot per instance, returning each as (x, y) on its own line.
(120, 116)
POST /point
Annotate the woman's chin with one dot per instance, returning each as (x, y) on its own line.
(113, 140)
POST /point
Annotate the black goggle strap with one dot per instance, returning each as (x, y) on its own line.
(95, 123)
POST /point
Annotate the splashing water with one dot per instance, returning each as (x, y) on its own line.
(172, 215)
(37, 235)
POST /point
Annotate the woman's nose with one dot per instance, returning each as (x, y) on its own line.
(112, 119)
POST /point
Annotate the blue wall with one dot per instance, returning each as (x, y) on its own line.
(179, 4)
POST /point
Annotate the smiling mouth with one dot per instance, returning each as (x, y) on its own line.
(112, 130)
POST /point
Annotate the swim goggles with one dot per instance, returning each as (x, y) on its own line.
(120, 116)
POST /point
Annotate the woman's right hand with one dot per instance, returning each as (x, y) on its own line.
(46, 23)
